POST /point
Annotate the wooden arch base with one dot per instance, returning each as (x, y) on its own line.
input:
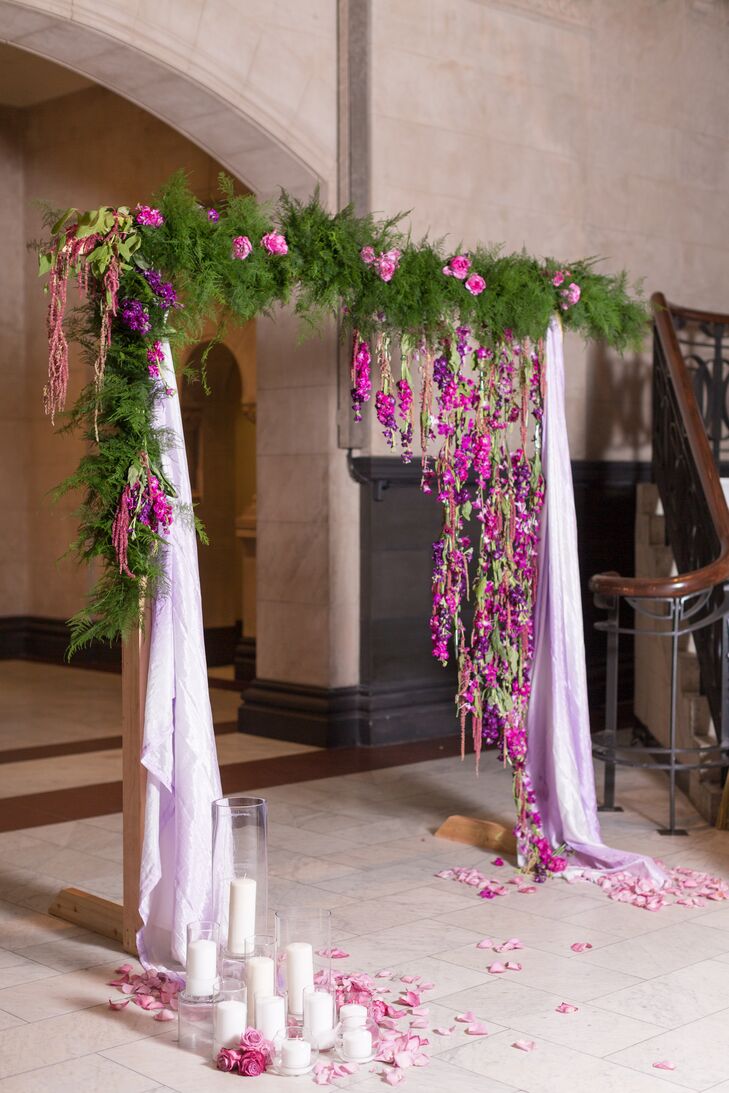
(484, 834)
(120, 921)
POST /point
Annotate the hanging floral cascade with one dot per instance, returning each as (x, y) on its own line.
(463, 335)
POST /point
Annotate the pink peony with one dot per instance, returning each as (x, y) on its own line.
(252, 1064)
(475, 284)
(570, 295)
(387, 263)
(149, 217)
(367, 254)
(241, 246)
(558, 278)
(458, 267)
(227, 1059)
(274, 243)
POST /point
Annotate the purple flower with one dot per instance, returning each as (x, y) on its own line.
(213, 215)
(241, 246)
(148, 217)
(274, 243)
(135, 316)
(163, 290)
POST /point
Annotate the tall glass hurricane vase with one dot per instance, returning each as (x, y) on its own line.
(240, 870)
(303, 940)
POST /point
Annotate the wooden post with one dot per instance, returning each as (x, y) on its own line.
(120, 921)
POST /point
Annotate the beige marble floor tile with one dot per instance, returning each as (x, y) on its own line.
(60, 772)
(512, 916)
(21, 927)
(25, 971)
(441, 1077)
(7, 1020)
(71, 1036)
(83, 950)
(91, 1074)
(57, 994)
(661, 951)
(447, 978)
(700, 1051)
(550, 1068)
(675, 999)
(299, 867)
(624, 921)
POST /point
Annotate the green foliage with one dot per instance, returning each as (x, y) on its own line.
(323, 272)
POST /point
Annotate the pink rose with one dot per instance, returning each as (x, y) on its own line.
(252, 1064)
(475, 284)
(241, 246)
(570, 295)
(274, 243)
(367, 254)
(458, 267)
(149, 217)
(386, 269)
(558, 278)
(228, 1059)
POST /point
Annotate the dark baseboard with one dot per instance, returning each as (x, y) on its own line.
(244, 660)
(31, 637)
(348, 716)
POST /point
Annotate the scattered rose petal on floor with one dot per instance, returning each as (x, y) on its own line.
(427, 986)
(527, 889)
(467, 1017)
(409, 998)
(497, 861)
(485, 943)
(419, 1022)
(409, 978)
(384, 973)
(394, 1077)
(164, 1015)
(565, 1007)
(524, 1045)
(119, 1003)
(444, 1031)
(333, 954)
(580, 946)
(496, 968)
(420, 1011)
(664, 1064)
(513, 966)
(477, 1028)
(125, 969)
(509, 945)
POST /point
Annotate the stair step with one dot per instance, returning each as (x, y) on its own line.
(690, 673)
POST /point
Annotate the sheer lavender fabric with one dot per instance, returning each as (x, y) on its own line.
(179, 744)
(559, 758)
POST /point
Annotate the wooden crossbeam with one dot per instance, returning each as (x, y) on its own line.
(485, 834)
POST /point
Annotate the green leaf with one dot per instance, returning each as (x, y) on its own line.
(60, 223)
(45, 263)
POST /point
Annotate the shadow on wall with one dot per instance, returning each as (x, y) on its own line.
(618, 405)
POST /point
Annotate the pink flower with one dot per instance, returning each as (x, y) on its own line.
(570, 295)
(558, 278)
(213, 215)
(227, 1059)
(475, 284)
(458, 267)
(274, 243)
(149, 217)
(241, 246)
(387, 263)
(252, 1064)
(367, 254)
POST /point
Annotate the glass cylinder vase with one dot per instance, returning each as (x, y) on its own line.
(230, 1014)
(240, 869)
(201, 960)
(303, 940)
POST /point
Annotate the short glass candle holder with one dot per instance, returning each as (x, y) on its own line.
(201, 960)
(295, 1055)
(230, 1014)
(240, 869)
(195, 1024)
(303, 938)
(357, 1042)
(258, 971)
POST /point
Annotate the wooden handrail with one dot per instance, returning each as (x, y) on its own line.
(716, 572)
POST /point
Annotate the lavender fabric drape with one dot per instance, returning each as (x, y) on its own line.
(559, 758)
(179, 744)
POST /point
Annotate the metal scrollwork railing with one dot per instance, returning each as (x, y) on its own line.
(690, 432)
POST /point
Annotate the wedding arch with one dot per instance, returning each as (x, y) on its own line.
(453, 345)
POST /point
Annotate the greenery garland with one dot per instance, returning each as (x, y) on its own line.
(471, 324)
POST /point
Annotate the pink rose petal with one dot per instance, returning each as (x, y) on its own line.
(509, 945)
(497, 861)
(333, 954)
(420, 1011)
(409, 978)
(119, 1003)
(124, 969)
(664, 1064)
(164, 1015)
(580, 946)
(385, 973)
(444, 1031)
(513, 966)
(409, 998)
(394, 1077)
(565, 1007)
(524, 1045)
(477, 1028)
(485, 943)
(466, 1018)
(420, 1022)
(496, 968)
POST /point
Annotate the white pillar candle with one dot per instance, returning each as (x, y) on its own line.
(202, 967)
(270, 1016)
(299, 973)
(356, 1044)
(295, 1054)
(353, 1015)
(259, 980)
(319, 1018)
(229, 1023)
(241, 913)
